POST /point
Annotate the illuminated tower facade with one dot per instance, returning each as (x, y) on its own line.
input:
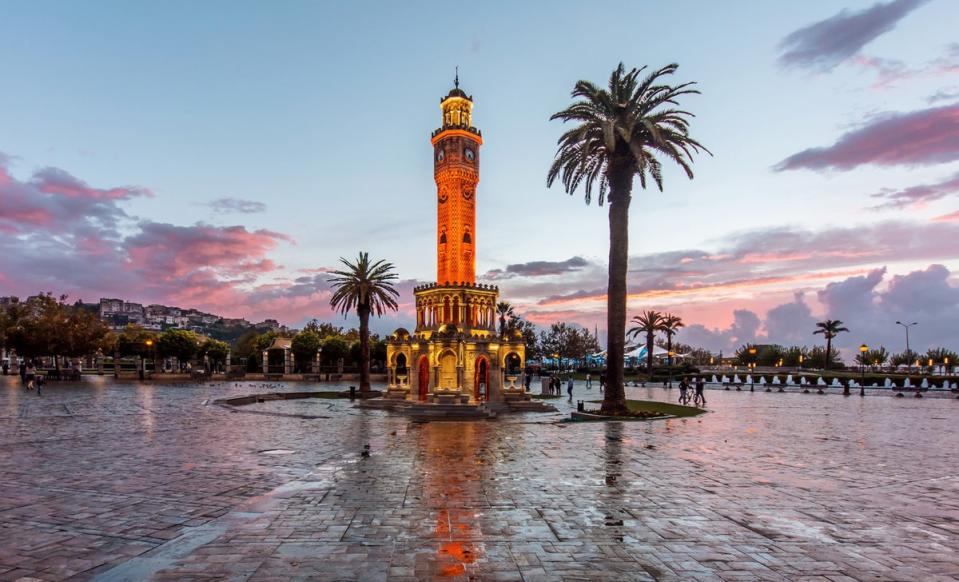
(456, 148)
(456, 352)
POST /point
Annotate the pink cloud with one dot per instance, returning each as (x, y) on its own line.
(951, 217)
(917, 196)
(927, 136)
(61, 183)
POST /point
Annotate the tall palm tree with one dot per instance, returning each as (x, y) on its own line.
(829, 329)
(505, 310)
(649, 323)
(366, 287)
(622, 132)
(669, 325)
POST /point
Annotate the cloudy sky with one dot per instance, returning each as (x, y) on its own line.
(223, 155)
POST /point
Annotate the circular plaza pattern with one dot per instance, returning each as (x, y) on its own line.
(130, 482)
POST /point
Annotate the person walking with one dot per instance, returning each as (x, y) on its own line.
(602, 382)
(569, 387)
(589, 381)
(683, 391)
(23, 372)
(30, 375)
(700, 398)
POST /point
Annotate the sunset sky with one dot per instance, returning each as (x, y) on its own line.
(223, 155)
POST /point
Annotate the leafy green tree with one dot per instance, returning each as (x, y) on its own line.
(133, 341)
(819, 354)
(622, 132)
(829, 329)
(334, 349)
(367, 288)
(791, 356)
(181, 344)
(378, 351)
(528, 330)
(904, 358)
(215, 350)
(940, 356)
(770, 355)
(305, 344)
(873, 357)
(648, 323)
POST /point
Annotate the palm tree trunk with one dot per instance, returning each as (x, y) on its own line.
(364, 313)
(614, 399)
(825, 363)
(650, 345)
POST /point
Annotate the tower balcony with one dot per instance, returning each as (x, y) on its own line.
(467, 308)
(466, 128)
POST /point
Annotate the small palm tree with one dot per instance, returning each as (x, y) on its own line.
(366, 287)
(829, 329)
(622, 132)
(648, 323)
(669, 325)
(505, 310)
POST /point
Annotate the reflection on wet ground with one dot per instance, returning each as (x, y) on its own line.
(128, 482)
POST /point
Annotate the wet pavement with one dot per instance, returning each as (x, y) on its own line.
(129, 482)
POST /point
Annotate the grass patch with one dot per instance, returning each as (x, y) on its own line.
(658, 408)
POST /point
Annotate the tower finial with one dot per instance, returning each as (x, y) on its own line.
(456, 81)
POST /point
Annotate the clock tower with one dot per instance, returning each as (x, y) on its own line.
(456, 354)
(456, 146)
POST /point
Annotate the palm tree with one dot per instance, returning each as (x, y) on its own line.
(829, 329)
(669, 325)
(368, 288)
(622, 132)
(505, 310)
(648, 323)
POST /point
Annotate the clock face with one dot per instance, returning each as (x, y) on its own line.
(440, 155)
(468, 152)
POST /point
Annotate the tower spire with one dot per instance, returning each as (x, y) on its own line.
(456, 81)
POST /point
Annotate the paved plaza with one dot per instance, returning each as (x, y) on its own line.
(127, 482)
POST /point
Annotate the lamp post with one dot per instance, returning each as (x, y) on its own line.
(906, 326)
(143, 364)
(752, 357)
(862, 369)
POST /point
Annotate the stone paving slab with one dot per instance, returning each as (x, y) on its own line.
(112, 482)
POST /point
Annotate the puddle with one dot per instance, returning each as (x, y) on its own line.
(277, 452)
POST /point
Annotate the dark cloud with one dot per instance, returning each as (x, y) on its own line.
(943, 95)
(923, 137)
(917, 196)
(537, 269)
(824, 44)
(237, 206)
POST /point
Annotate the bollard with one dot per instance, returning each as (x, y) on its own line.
(352, 392)
(579, 406)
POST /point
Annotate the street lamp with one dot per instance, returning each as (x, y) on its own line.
(906, 326)
(752, 356)
(862, 369)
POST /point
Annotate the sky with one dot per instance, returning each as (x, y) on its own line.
(225, 155)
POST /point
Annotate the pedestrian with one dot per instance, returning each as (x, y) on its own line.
(29, 375)
(23, 372)
(529, 378)
(683, 388)
(569, 387)
(39, 383)
(602, 382)
(589, 381)
(6, 368)
(700, 398)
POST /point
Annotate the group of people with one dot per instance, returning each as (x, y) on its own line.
(699, 397)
